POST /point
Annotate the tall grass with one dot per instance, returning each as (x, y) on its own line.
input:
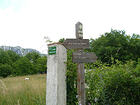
(18, 91)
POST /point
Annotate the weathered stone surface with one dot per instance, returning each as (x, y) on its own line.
(56, 76)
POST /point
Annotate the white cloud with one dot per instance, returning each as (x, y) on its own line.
(57, 18)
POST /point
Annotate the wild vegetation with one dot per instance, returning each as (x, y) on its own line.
(19, 91)
(117, 45)
(118, 84)
(113, 80)
(12, 64)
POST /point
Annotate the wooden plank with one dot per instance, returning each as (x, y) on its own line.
(82, 57)
(76, 43)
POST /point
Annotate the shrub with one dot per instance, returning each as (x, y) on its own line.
(5, 70)
(23, 67)
(71, 80)
(115, 85)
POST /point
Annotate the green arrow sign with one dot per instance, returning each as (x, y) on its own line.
(52, 50)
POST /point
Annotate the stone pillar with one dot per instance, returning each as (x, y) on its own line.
(56, 75)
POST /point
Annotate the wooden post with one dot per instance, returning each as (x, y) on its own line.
(79, 30)
(80, 69)
(80, 57)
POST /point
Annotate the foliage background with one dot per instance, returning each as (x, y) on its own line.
(11, 64)
(118, 84)
(114, 79)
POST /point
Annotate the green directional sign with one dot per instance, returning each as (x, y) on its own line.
(52, 50)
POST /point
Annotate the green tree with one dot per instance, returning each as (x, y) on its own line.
(33, 56)
(116, 45)
(41, 64)
(23, 67)
(4, 57)
(134, 47)
(12, 55)
(5, 70)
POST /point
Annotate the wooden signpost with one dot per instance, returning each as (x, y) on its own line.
(76, 43)
(80, 57)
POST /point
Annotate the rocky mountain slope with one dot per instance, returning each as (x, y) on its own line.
(19, 50)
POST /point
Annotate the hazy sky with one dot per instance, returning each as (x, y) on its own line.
(25, 22)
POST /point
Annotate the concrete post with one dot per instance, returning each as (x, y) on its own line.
(56, 75)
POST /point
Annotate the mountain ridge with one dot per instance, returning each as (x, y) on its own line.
(19, 50)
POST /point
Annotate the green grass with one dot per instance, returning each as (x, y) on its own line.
(18, 91)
